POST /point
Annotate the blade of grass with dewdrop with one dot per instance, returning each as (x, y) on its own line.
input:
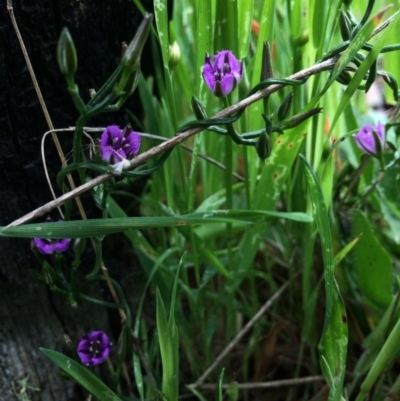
(81, 375)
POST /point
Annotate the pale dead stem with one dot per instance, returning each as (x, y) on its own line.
(180, 137)
(242, 333)
(172, 142)
(261, 385)
(61, 155)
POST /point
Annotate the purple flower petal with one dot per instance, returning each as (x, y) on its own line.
(132, 142)
(116, 146)
(94, 348)
(370, 139)
(112, 136)
(208, 74)
(49, 246)
(106, 153)
(380, 130)
(228, 83)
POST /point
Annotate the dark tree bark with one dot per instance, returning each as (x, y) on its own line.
(30, 315)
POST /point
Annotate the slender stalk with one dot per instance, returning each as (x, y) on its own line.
(177, 139)
(390, 348)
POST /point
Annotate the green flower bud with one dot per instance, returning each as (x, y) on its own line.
(303, 38)
(344, 78)
(285, 107)
(198, 109)
(132, 54)
(174, 55)
(344, 25)
(266, 68)
(264, 146)
(299, 118)
(66, 55)
(131, 57)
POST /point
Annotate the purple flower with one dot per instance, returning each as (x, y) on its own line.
(116, 146)
(370, 139)
(49, 246)
(224, 74)
(94, 348)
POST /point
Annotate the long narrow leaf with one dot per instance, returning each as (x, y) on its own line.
(82, 375)
(96, 227)
(333, 344)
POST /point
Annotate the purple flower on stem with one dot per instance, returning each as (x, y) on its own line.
(94, 348)
(371, 140)
(49, 246)
(117, 145)
(224, 74)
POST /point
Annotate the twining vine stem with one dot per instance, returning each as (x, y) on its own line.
(182, 136)
(172, 142)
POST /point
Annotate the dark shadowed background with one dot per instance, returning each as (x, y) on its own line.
(30, 315)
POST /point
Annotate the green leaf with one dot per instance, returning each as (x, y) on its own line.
(333, 343)
(371, 263)
(204, 44)
(245, 9)
(161, 14)
(82, 375)
(97, 227)
(342, 254)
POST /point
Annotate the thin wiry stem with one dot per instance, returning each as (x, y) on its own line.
(46, 114)
(270, 384)
(60, 152)
(240, 335)
(172, 142)
(180, 137)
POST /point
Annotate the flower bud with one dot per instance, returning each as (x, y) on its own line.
(285, 107)
(344, 78)
(344, 25)
(264, 146)
(299, 118)
(198, 109)
(266, 67)
(371, 140)
(66, 55)
(174, 55)
(303, 38)
(131, 57)
(132, 54)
